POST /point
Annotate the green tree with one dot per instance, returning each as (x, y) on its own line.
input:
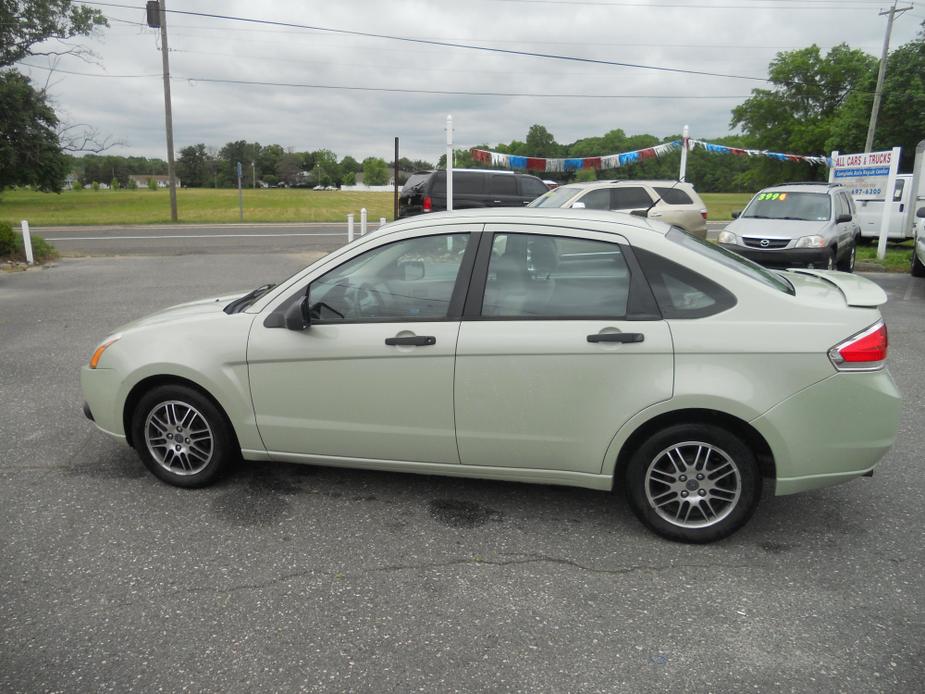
(375, 171)
(349, 179)
(193, 166)
(540, 143)
(801, 112)
(326, 171)
(30, 153)
(350, 165)
(901, 121)
(25, 23)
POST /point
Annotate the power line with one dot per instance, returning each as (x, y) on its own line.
(445, 44)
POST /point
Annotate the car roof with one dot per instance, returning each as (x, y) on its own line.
(603, 220)
(584, 185)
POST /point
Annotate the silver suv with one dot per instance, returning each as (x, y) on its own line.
(797, 225)
(673, 202)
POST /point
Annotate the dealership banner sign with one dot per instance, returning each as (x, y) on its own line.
(869, 175)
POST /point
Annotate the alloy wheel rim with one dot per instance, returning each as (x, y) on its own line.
(179, 438)
(693, 484)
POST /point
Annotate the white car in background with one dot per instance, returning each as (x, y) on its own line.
(672, 202)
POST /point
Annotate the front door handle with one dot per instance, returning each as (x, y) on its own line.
(616, 337)
(414, 340)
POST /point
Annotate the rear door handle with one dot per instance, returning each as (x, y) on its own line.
(414, 340)
(616, 337)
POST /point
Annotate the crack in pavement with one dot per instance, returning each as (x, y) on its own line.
(477, 561)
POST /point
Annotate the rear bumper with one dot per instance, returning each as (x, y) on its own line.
(782, 258)
(833, 431)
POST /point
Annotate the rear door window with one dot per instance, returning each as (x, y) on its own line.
(629, 198)
(503, 184)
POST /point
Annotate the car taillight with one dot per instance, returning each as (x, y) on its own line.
(428, 204)
(865, 351)
(703, 213)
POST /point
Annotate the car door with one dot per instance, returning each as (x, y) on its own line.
(501, 190)
(560, 345)
(844, 230)
(372, 376)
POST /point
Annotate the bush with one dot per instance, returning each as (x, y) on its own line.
(114, 185)
(11, 246)
(586, 175)
(7, 239)
(95, 185)
(132, 184)
(152, 184)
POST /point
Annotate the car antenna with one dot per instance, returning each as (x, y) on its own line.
(658, 200)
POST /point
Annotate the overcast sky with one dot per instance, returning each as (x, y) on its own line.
(722, 36)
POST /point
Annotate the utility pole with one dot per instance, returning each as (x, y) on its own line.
(157, 16)
(395, 183)
(875, 109)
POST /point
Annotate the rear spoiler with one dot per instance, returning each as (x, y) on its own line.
(858, 291)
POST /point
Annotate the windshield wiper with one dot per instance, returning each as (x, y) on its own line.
(243, 302)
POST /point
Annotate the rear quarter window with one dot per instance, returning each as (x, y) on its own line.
(532, 187)
(679, 291)
(674, 196)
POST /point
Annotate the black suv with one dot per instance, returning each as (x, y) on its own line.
(425, 191)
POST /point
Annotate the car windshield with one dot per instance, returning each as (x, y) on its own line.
(555, 198)
(731, 260)
(809, 207)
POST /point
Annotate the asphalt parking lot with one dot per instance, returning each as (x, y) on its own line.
(289, 578)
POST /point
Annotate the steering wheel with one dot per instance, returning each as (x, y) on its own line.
(366, 301)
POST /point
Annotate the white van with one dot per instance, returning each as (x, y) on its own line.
(870, 210)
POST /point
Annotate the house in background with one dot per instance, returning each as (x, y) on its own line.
(141, 180)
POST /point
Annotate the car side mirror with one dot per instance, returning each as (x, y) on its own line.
(920, 213)
(842, 218)
(578, 206)
(736, 214)
(411, 270)
(298, 316)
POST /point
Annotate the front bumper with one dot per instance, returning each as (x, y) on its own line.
(783, 257)
(100, 390)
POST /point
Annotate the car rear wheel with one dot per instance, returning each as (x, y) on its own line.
(918, 269)
(693, 483)
(181, 436)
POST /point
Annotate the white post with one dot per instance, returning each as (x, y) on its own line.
(27, 242)
(832, 168)
(449, 163)
(350, 227)
(888, 204)
(363, 221)
(684, 138)
(381, 222)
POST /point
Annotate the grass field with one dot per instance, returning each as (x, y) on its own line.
(198, 206)
(215, 206)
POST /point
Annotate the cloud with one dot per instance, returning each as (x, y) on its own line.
(740, 41)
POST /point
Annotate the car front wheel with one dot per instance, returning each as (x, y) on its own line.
(181, 436)
(693, 483)
(918, 269)
(847, 265)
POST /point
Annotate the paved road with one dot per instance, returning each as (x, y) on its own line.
(221, 238)
(193, 238)
(287, 577)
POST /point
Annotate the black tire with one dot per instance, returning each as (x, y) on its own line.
(847, 265)
(704, 484)
(189, 449)
(918, 269)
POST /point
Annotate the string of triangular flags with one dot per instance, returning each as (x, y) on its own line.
(615, 161)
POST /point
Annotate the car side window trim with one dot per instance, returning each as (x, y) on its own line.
(641, 304)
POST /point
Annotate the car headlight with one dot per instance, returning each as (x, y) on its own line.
(726, 237)
(811, 242)
(95, 359)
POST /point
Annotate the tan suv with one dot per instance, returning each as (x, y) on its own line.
(673, 202)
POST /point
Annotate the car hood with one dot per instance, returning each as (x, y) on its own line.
(784, 228)
(189, 309)
(818, 285)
